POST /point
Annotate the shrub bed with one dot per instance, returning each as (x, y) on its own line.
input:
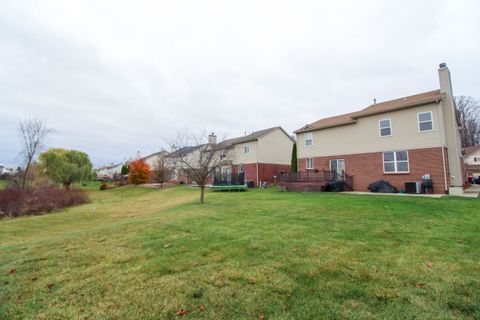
(16, 202)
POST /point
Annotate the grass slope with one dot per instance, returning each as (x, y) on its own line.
(143, 254)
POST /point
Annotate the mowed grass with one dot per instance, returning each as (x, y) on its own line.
(144, 254)
(3, 184)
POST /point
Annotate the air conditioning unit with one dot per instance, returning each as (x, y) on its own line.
(413, 187)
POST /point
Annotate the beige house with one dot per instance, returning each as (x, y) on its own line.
(472, 161)
(402, 140)
(260, 155)
(152, 159)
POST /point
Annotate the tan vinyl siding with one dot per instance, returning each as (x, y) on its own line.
(240, 157)
(364, 137)
(275, 148)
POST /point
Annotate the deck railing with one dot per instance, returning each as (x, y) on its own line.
(322, 177)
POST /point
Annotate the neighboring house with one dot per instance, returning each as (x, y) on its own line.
(110, 170)
(152, 159)
(472, 161)
(399, 141)
(174, 163)
(261, 155)
(6, 171)
(107, 172)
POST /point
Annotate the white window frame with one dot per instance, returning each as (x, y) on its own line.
(246, 148)
(389, 126)
(431, 120)
(395, 162)
(310, 135)
(306, 163)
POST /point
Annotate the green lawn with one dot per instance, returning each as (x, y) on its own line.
(3, 184)
(146, 254)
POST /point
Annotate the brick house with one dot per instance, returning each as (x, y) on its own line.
(472, 161)
(398, 141)
(260, 155)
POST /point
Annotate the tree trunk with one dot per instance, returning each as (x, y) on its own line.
(25, 173)
(202, 194)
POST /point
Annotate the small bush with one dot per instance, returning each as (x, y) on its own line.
(138, 172)
(18, 202)
(105, 186)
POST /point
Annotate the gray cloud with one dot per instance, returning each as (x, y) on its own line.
(113, 78)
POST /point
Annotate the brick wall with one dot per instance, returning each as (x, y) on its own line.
(266, 171)
(368, 167)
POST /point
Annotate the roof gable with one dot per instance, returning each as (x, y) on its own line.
(250, 137)
(470, 150)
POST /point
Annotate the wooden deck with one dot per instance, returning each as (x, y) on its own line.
(311, 181)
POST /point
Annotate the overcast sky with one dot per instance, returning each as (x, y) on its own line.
(113, 77)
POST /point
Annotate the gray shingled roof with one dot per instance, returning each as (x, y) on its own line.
(225, 144)
(182, 152)
(250, 137)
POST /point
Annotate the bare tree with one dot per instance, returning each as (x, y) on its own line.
(161, 170)
(32, 132)
(198, 156)
(468, 111)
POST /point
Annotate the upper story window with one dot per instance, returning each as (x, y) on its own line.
(425, 121)
(395, 162)
(309, 163)
(385, 127)
(246, 149)
(476, 159)
(308, 139)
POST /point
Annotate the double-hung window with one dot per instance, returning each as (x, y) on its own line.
(246, 149)
(308, 139)
(395, 162)
(425, 121)
(385, 127)
(309, 163)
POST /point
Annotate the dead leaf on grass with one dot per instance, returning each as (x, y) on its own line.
(202, 307)
(420, 285)
(262, 317)
(182, 312)
(50, 286)
(13, 271)
(167, 245)
(429, 264)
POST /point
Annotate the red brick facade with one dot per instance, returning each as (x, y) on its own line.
(266, 171)
(368, 167)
